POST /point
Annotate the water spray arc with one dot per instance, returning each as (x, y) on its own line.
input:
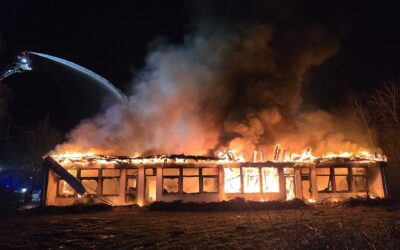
(117, 93)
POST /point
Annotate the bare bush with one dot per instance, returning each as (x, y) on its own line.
(379, 113)
(39, 141)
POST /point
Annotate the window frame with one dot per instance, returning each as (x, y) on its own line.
(201, 180)
(260, 172)
(102, 178)
(58, 195)
(365, 175)
(331, 180)
(350, 176)
(131, 176)
(241, 189)
(181, 175)
(191, 176)
(172, 177)
(98, 179)
(262, 180)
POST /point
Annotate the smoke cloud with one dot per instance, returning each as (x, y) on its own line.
(231, 85)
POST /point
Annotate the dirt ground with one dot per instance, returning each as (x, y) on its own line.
(333, 226)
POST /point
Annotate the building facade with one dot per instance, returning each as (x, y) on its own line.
(127, 181)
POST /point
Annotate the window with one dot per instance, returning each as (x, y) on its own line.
(342, 179)
(270, 177)
(305, 183)
(171, 180)
(131, 184)
(190, 180)
(360, 179)
(210, 180)
(110, 182)
(89, 179)
(324, 180)
(251, 180)
(232, 180)
(289, 183)
(191, 183)
(63, 188)
(90, 185)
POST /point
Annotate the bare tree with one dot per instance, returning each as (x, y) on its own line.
(5, 118)
(39, 142)
(385, 111)
(379, 113)
(364, 118)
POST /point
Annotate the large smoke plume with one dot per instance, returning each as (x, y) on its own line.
(234, 83)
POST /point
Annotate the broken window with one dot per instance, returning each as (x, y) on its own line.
(110, 186)
(210, 180)
(270, 177)
(251, 180)
(110, 181)
(131, 184)
(90, 185)
(89, 179)
(232, 180)
(342, 179)
(171, 185)
(210, 185)
(360, 179)
(341, 176)
(171, 180)
(64, 189)
(324, 180)
(191, 183)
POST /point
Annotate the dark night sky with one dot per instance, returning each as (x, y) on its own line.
(112, 39)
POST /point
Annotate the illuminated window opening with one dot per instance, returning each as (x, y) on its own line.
(131, 184)
(191, 180)
(232, 180)
(110, 182)
(251, 180)
(270, 177)
(209, 177)
(171, 178)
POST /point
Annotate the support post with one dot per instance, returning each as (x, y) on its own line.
(140, 187)
(297, 183)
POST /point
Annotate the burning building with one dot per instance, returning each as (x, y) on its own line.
(233, 86)
(90, 179)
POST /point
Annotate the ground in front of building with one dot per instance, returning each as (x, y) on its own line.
(321, 226)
